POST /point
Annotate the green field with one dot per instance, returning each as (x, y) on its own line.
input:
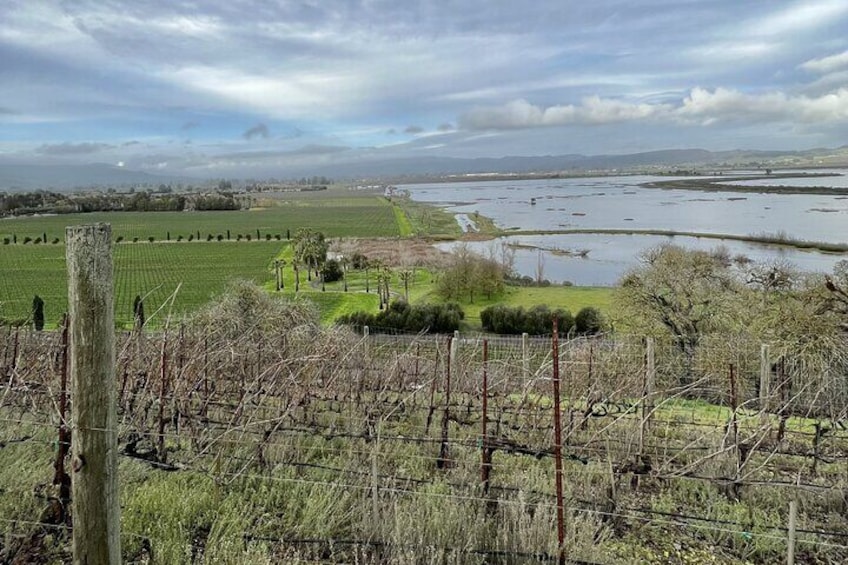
(155, 271)
(338, 214)
(198, 270)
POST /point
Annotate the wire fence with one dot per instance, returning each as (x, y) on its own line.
(406, 432)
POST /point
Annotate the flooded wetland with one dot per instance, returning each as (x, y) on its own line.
(589, 231)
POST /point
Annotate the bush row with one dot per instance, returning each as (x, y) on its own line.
(432, 318)
(538, 320)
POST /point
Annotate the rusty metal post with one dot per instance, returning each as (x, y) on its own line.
(486, 456)
(558, 445)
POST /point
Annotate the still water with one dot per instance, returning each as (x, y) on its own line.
(620, 203)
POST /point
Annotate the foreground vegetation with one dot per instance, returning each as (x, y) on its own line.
(279, 441)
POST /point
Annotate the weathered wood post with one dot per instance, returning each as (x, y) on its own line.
(444, 453)
(525, 357)
(765, 382)
(94, 438)
(277, 274)
(790, 542)
(647, 391)
(454, 355)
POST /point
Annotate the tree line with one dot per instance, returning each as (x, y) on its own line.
(46, 202)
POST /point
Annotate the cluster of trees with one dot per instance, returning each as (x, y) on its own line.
(310, 250)
(690, 294)
(400, 315)
(469, 275)
(538, 320)
(208, 202)
(163, 200)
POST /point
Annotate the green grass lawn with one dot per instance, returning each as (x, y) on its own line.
(571, 298)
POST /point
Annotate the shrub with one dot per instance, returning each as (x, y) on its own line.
(432, 318)
(358, 261)
(332, 271)
(55, 240)
(220, 237)
(151, 239)
(210, 237)
(179, 238)
(589, 321)
(135, 240)
(191, 237)
(538, 320)
(37, 313)
(138, 311)
(27, 239)
(118, 239)
(6, 241)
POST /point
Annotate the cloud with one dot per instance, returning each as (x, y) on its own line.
(803, 16)
(445, 127)
(413, 130)
(391, 131)
(724, 104)
(259, 130)
(700, 106)
(522, 114)
(190, 125)
(7, 111)
(72, 148)
(827, 64)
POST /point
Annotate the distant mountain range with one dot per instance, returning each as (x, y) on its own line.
(21, 177)
(653, 161)
(64, 177)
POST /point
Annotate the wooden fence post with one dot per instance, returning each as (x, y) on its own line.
(525, 357)
(443, 462)
(94, 438)
(277, 276)
(647, 391)
(454, 354)
(765, 381)
(790, 545)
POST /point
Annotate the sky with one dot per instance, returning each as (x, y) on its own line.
(254, 88)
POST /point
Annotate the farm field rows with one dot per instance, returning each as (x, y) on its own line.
(365, 215)
(152, 270)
